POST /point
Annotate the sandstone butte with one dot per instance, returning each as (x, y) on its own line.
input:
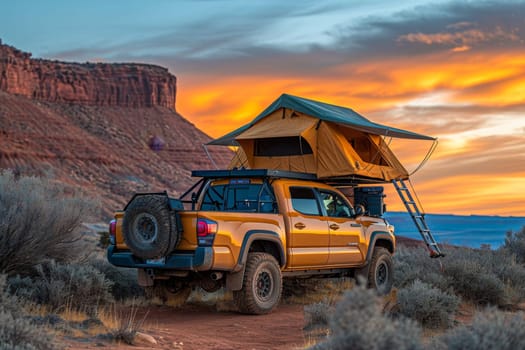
(88, 125)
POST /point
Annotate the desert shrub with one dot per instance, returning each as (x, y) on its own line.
(413, 264)
(16, 331)
(472, 282)
(428, 305)
(491, 329)
(317, 315)
(40, 221)
(8, 303)
(515, 244)
(65, 286)
(485, 276)
(358, 323)
(479, 275)
(124, 283)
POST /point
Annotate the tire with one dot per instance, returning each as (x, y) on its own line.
(262, 285)
(381, 272)
(149, 227)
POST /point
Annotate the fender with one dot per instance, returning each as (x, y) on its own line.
(235, 278)
(376, 235)
(363, 270)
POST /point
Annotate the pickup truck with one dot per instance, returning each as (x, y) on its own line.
(246, 230)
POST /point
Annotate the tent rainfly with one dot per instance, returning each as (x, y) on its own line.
(332, 142)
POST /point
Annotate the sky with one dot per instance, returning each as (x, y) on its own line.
(454, 70)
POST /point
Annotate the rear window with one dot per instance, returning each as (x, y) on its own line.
(239, 195)
(304, 201)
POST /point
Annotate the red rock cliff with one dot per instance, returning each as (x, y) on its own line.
(100, 84)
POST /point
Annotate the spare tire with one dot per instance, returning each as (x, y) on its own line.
(149, 226)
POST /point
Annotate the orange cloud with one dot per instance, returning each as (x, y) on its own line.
(456, 96)
(465, 195)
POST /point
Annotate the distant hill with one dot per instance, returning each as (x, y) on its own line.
(90, 126)
(470, 231)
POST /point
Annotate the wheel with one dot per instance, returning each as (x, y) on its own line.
(262, 285)
(149, 227)
(380, 273)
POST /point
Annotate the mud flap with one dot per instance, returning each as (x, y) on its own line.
(234, 280)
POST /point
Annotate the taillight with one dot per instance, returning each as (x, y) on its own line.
(206, 230)
(112, 231)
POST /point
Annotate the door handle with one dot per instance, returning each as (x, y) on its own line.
(355, 225)
(300, 225)
(334, 227)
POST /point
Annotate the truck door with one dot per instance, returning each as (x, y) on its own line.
(308, 246)
(345, 233)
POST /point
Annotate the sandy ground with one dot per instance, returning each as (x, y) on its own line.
(202, 327)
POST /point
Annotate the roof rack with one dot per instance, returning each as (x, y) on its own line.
(351, 180)
(253, 173)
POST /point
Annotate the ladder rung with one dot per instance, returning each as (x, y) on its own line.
(418, 217)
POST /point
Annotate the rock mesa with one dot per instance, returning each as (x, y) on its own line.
(100, 84)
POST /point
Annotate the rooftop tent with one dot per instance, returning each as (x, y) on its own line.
(298, 134)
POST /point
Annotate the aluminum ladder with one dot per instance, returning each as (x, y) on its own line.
(418, 217)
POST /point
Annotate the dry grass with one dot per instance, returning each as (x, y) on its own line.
(315, 290)
(124, 325)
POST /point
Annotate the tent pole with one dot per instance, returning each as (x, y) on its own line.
(427, 157)
(209, 156)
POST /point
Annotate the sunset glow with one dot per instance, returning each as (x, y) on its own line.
(448, 69)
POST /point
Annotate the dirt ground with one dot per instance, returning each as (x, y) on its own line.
(202, 327)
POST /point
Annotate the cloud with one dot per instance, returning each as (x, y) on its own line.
(454, 70)
(461, 40)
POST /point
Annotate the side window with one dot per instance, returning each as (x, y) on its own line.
(239, 196)
(214, 198)
(304, 201)
(335, 205)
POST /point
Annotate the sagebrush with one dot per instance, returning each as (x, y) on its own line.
(490, 329)
(65, 286)
(359, 323)
(485, 277)
(515, 244)
(428, 305)
(16, 330)
(40, 221)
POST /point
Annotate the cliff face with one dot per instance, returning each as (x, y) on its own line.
(100, 84)
(91, 126)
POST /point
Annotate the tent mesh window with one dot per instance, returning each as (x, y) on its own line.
(365, 148)
(281, 147)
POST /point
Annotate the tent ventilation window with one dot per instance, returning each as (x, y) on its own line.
(281, 147)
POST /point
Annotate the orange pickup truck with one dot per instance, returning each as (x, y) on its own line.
(246, 230)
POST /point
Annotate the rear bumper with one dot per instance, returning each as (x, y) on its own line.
(199, 260)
